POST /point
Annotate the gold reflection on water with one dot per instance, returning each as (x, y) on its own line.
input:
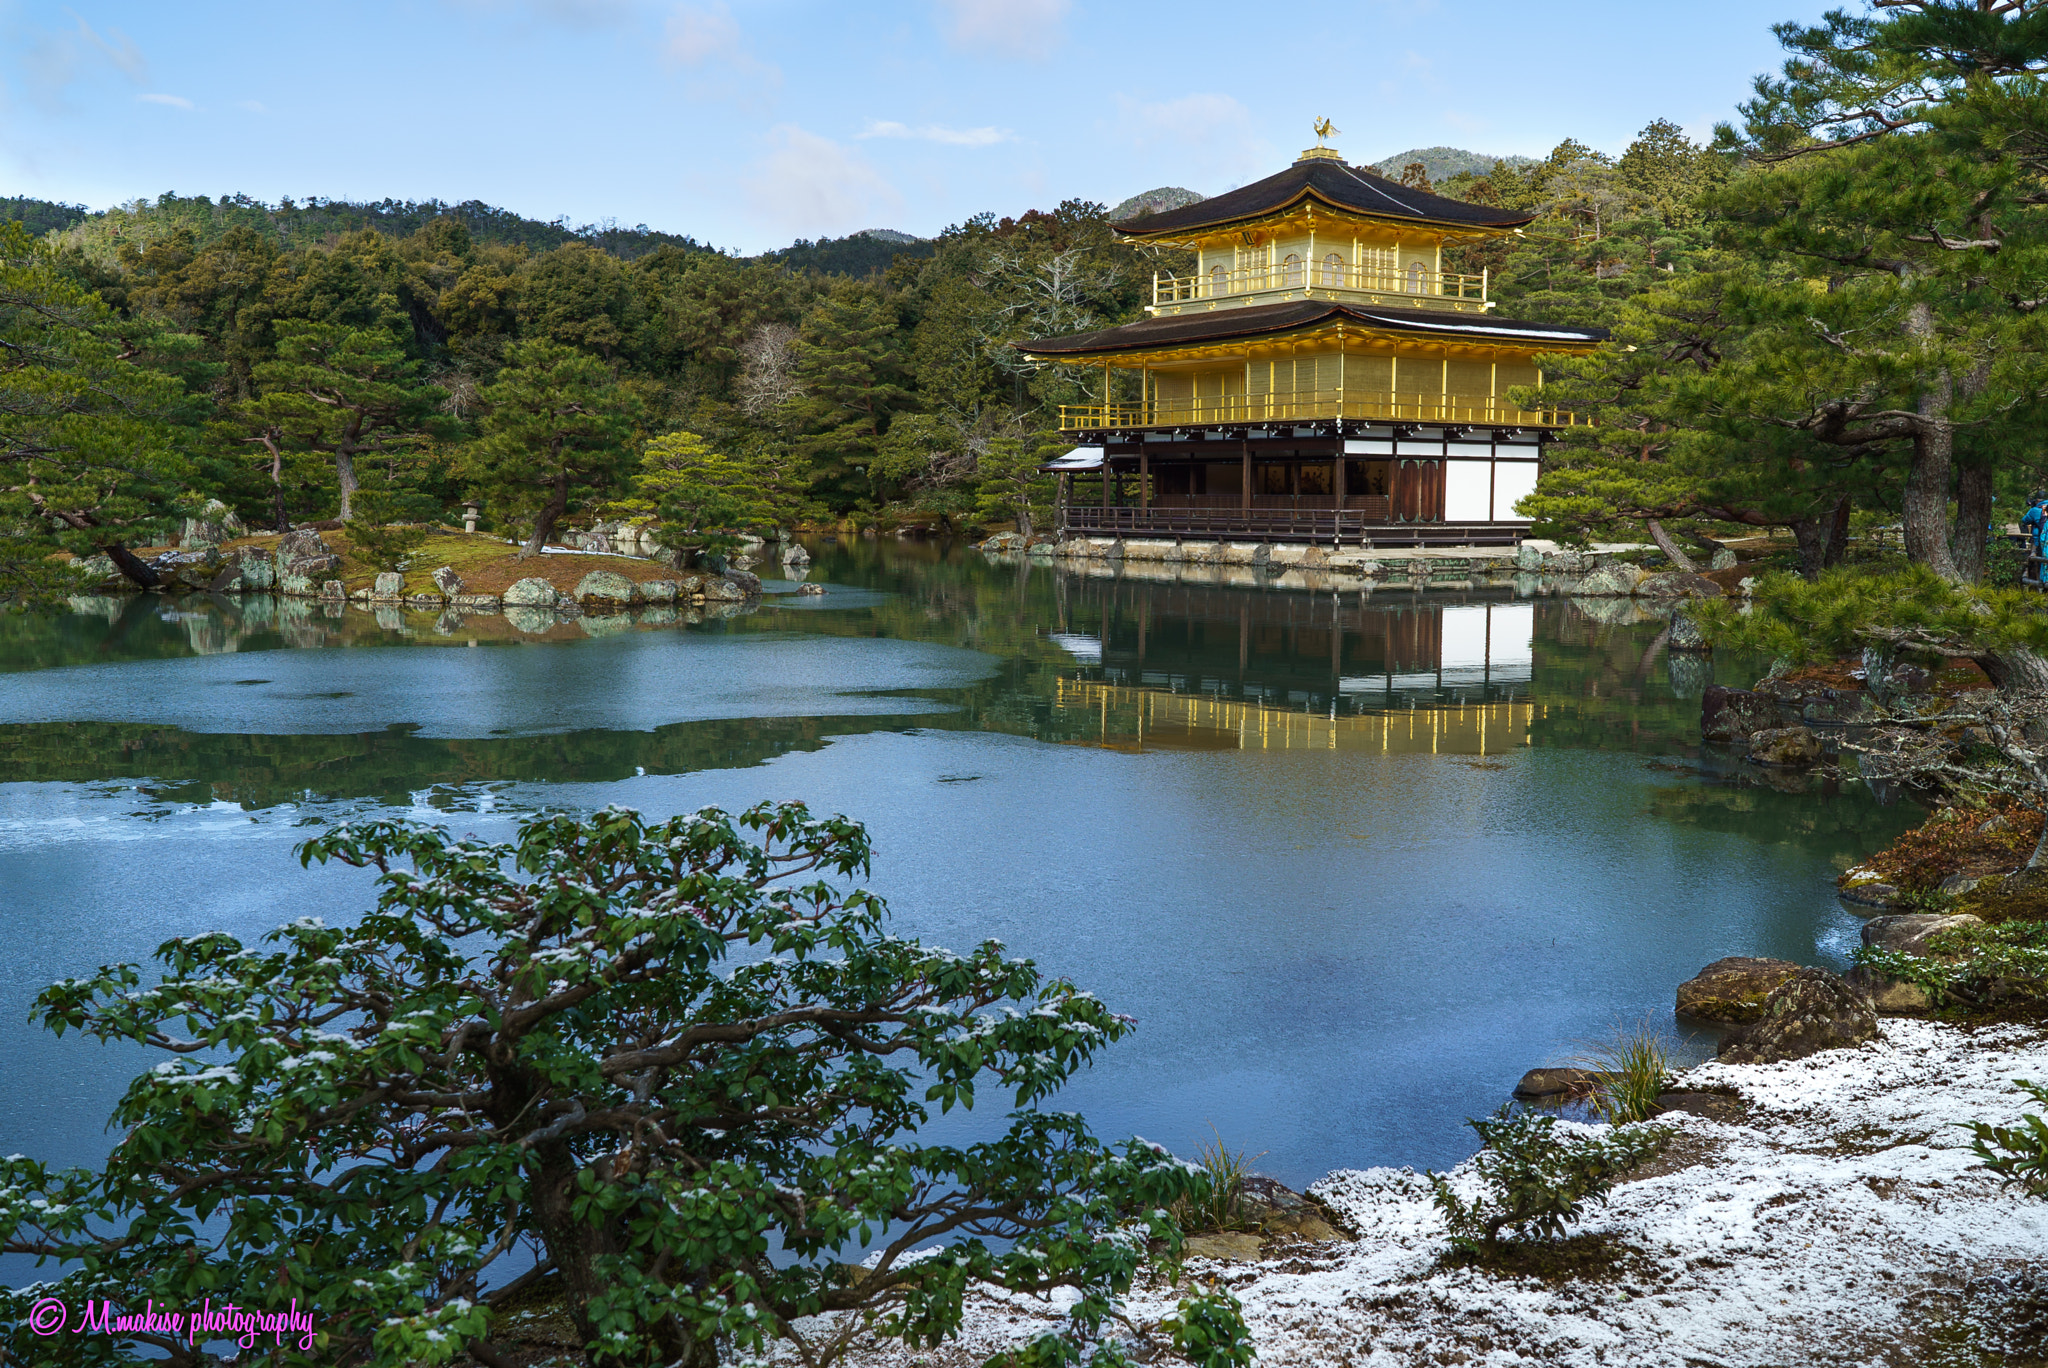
(1141, 719)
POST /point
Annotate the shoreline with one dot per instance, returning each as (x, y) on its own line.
(1842, 1220)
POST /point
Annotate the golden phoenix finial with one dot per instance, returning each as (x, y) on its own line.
(1325, 130)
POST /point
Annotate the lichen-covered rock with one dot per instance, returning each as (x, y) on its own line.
(258, 570)
(1724, 559)
(1617, 579)
(1685, 634)
(1888, 996)
(605, 586)
(717, 589)
(333, 589)
(1278, 1209)
(447, 581)
(1558, 1082)
(531, 592)
(1809, 1012)
(475, 603)
(810, 589)
(748, 584)
(1909, 932)
(215, 524)
(1733, 989)
(1732, 714)
(389, 585)
(1678, 584)
(658, 591)
(1788, 747)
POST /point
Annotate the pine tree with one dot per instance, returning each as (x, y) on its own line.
(88, 458)
(343, 391)
(557, 435)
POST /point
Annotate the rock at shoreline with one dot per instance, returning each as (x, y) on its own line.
(1866, 894)
(1888, 996)
(717, 589)
(1908, 932)
(1229, 1246)
(1733, 989)
(1784, 747)
(530, 593)
(1809, 1012)
(1678, 584)
(794, 555)
(1733, 714)
(1685, 634)
(1279, 1210)
(389, 585)
(1617, 579)
(1555, 1083)
(448, 582)
(810, 589)
(605, 587)
(748, 584)
(658, 591)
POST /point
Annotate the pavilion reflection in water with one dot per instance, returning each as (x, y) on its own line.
(1194, 667)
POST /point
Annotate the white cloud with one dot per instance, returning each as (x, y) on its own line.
(51, 59)
(117, 48)
(938, 133)
(174, 101)
(705, 40)
(1006, 28)
(252, 106)
(812, 186)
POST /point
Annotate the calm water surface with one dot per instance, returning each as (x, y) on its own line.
(1354, 862)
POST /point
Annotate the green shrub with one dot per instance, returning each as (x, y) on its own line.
(1634, 1065)
(2018, 1154)
(1536, 1180)
(1217, 1207)
(672, 1056)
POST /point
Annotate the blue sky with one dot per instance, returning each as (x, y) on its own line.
(747, 123)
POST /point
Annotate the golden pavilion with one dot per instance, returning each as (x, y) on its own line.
(1318, 376)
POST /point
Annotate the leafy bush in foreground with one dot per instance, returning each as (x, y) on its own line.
(2017, 1154)
(686, 1074)
(1536, 1180)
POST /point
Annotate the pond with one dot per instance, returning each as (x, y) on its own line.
(1353, 860)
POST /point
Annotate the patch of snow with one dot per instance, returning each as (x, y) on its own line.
(1828, 1227)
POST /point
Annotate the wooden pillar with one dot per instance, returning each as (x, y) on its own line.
(1247, 475)
(1105, 477)
(1144, 480)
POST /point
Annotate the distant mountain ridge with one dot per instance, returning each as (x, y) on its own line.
(1444, 162)
(1155, 202)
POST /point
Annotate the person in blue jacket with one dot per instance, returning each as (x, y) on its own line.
(2034, 526)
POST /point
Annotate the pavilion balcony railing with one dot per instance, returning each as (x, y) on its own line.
(1417, 282)
(1295, 406)
(1332, 525)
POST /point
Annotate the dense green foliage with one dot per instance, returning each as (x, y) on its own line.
(1827, 319)
(672, 1059)
(1535, 1181)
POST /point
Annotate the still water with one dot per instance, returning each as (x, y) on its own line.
(1353, 861)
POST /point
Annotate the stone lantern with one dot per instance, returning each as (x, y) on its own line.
(471, 511)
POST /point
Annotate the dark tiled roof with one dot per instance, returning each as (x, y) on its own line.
(1266, 319)
(1333, 182)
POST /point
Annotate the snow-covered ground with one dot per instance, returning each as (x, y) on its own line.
(1843, 1220)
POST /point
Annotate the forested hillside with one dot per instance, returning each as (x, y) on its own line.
(281, 358)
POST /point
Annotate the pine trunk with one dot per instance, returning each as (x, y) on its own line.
(345, 475)
(1670, 547)
(1973, 521)
(1925, 501)
(129, 564)
(550, 513)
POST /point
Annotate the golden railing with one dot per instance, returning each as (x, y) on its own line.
(1221, 282)
(1283, 406)
(1139, 719)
